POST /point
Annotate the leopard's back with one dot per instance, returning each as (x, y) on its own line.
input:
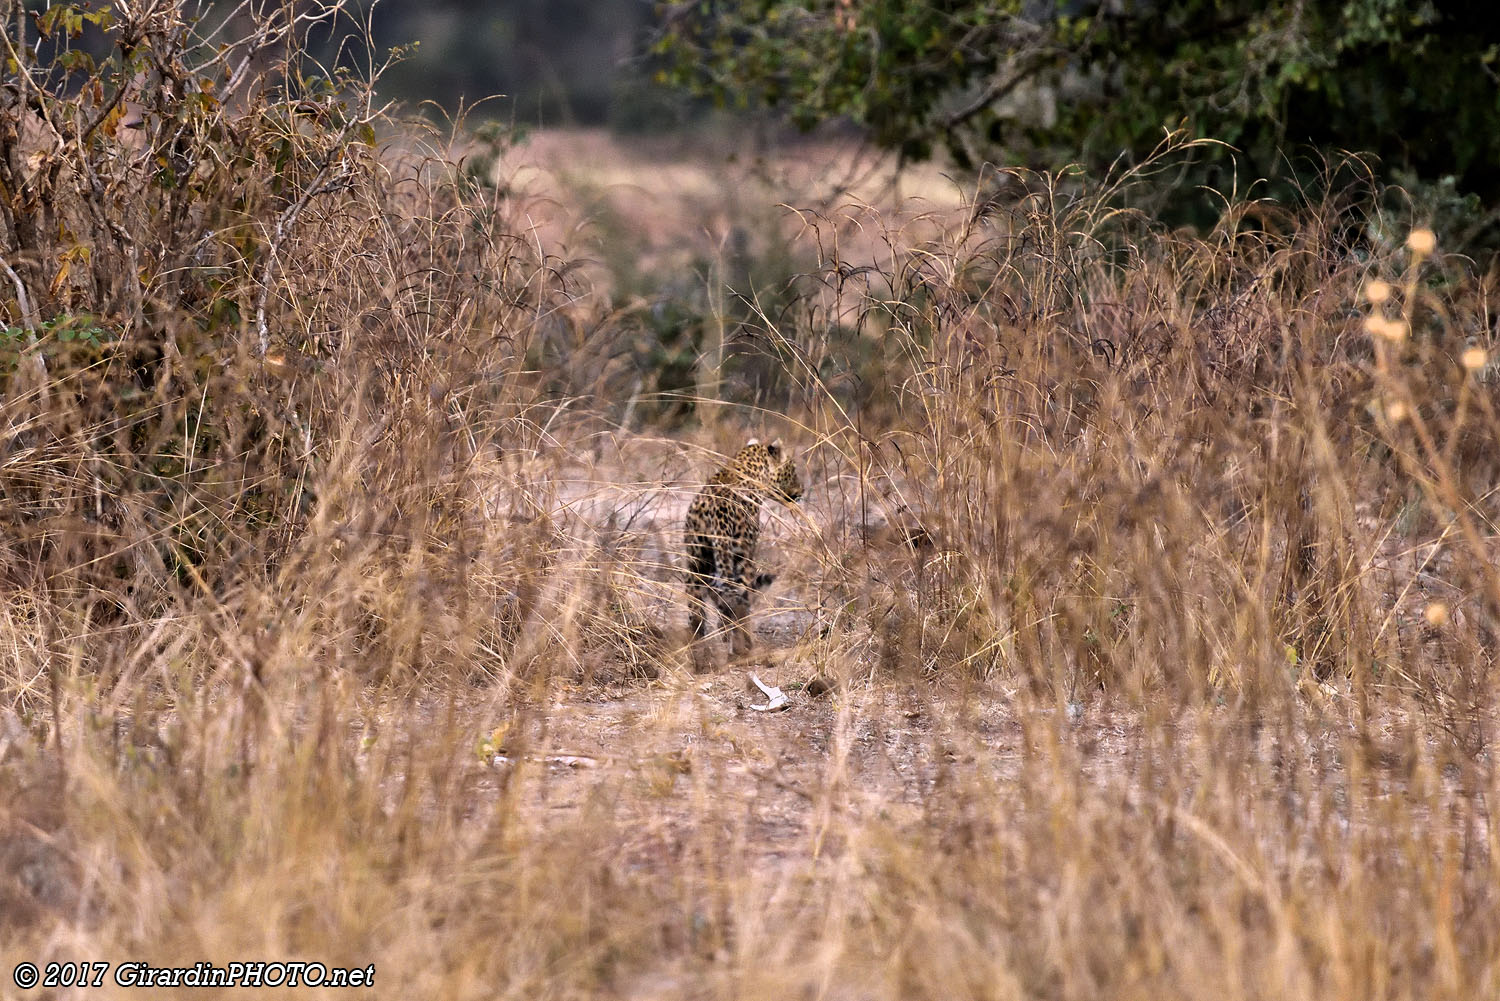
(722, 533)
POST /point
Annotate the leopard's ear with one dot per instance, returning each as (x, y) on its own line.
(774, 449)
(752, 441)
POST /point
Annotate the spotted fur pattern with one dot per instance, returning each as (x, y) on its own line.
(723, 529)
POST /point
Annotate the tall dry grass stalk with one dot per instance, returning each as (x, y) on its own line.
(340, 623)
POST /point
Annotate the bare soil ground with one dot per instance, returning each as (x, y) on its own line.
(670, 204)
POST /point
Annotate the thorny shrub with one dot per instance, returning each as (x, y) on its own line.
(240, 334)
(1143, 459)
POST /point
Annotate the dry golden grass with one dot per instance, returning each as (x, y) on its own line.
(1153, 584)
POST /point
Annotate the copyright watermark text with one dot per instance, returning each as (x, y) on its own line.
(201, 974)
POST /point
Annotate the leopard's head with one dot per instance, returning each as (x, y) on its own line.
(771, 468)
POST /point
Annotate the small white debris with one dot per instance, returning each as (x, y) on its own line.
(777, 698)
(567, 760)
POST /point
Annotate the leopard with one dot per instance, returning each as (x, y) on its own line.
(723, 532)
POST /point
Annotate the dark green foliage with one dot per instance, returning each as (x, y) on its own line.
(1040, 82)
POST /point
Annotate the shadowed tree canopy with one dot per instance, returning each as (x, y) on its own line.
(1414, 83)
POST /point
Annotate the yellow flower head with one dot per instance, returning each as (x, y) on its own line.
(1421, 242)
(1378, 326)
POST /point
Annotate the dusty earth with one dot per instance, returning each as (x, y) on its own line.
(871, 744)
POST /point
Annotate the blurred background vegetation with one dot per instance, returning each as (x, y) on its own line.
(1038, 83)
(550, 62)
